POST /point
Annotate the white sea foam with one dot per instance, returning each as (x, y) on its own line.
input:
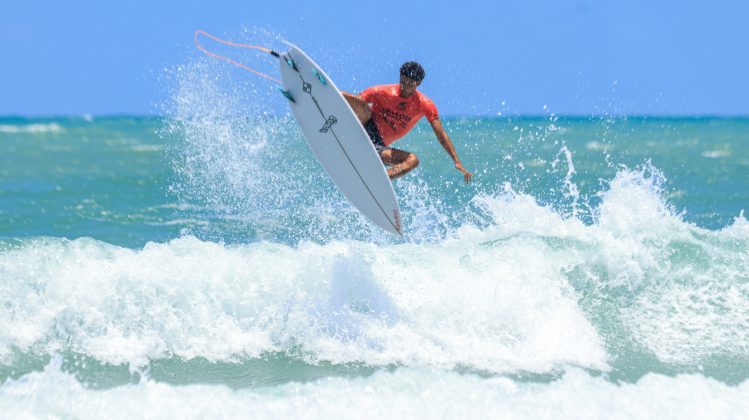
(147, 148)
(595, 145)
(716, 154)
(31, 128)
(344, 302)
(404, 393)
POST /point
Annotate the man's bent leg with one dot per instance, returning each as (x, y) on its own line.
(400, 161)
(360, 107)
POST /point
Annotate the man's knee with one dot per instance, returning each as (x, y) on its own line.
(412, 160)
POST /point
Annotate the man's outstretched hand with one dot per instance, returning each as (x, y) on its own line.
(466, 175)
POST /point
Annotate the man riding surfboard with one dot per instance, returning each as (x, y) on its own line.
(395, 109)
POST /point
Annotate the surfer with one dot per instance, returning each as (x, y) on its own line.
(395, 109)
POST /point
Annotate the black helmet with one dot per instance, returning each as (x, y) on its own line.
(413, 70)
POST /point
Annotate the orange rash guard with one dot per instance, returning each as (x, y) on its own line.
(396, 116)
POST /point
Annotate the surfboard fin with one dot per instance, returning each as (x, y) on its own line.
(319, 77)
(287, 94)
(291, 64)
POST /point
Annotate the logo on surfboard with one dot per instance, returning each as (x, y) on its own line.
(328, 123)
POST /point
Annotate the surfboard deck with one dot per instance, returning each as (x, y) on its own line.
(338, 140)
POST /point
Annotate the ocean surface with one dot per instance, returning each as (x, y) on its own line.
(201, 264)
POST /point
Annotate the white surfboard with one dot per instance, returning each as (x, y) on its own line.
(338, 140)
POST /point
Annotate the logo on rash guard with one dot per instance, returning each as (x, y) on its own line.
(394, 117)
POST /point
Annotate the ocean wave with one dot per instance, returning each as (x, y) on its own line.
(409, 393)
(341, 302)
(650, 281)
(522, 289)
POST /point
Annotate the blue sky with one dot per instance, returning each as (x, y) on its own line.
(521, 57)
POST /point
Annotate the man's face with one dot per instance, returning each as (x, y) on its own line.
(408, 86)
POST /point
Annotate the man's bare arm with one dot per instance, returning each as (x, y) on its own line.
(447, 144)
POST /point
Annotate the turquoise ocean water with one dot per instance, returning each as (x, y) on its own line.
(201, 264)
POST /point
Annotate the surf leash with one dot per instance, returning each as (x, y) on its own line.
(234, 44)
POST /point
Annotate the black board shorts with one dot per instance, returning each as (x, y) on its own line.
(374, 136)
